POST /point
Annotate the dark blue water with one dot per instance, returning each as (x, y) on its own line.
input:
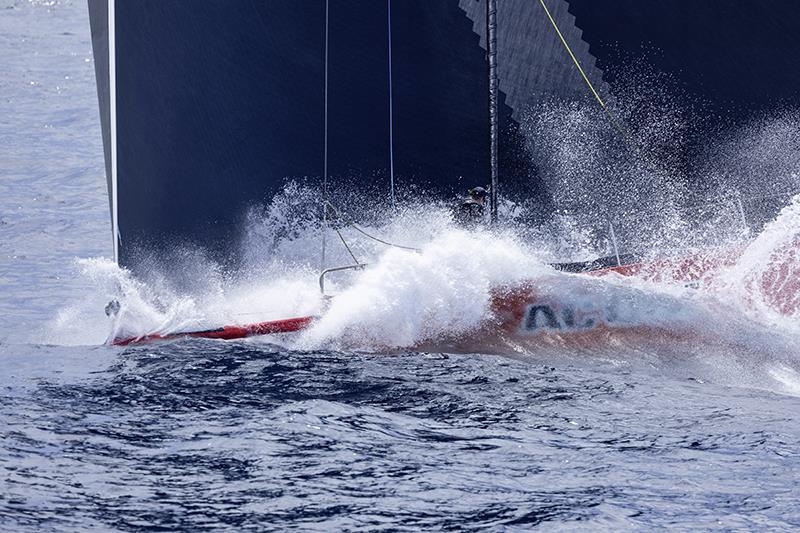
(200, 435)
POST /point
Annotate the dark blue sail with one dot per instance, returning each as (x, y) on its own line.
(208, 107)
(218, 103)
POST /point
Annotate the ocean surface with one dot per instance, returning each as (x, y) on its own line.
(352, 426)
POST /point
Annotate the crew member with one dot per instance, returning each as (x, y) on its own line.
(471, 211)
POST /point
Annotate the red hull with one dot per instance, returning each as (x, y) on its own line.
(227, 332)
(522, 310)
(526, 311)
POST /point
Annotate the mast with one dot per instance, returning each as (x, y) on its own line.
(491, 54)
(325, 147)
(391, 106)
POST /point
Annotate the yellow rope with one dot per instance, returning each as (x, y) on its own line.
(574, 59)
(623, 131)
(626, 137)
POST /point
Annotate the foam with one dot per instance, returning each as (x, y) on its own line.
(403, 300)
(407, 297)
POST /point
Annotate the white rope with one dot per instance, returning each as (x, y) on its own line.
(112, 112)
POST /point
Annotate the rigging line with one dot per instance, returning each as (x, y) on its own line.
(361, 247)
(339, 233)
(634, 145)
(325, 144)
(391, 108)
(597, 97)
(574, 59)
(361, 231)
(355, 226)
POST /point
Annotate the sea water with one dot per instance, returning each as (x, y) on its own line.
(351, 425)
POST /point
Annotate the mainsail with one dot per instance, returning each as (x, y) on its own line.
(209, 106)
(216, 104)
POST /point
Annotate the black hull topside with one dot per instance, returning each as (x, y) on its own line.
(208, 107)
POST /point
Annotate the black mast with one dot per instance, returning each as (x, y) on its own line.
(491, 54)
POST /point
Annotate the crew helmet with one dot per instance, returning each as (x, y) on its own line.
(478, 192)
